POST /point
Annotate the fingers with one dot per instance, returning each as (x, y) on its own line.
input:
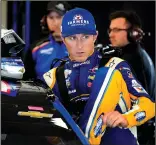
(114, 119)
(111, 118)
(117, 122)
(105, 117)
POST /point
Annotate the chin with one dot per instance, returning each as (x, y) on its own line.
(81, 59)
(113, 44)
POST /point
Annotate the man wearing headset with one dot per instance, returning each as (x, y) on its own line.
(125, 33)
(41, 54)
(108, 100)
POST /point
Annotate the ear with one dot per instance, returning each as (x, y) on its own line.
(95, 36)
(97, 33)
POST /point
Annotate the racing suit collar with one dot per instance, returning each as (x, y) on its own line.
(89, 60)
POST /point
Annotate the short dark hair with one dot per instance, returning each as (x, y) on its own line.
(130, 16)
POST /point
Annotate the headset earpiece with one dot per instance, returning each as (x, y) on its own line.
(43, 24)
(135, 35)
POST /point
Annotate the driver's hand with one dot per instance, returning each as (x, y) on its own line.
(114, 119)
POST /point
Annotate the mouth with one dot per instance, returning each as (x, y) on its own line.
(79, 53)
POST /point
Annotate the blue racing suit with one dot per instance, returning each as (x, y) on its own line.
(42, 55)
(104, 89)
(45, 53)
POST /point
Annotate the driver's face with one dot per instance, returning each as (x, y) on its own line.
(80, 46)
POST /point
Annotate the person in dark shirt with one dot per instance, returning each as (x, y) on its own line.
(125, 32)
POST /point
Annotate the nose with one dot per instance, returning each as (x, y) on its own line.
(55, 21)
(79, 43)
(110, 34)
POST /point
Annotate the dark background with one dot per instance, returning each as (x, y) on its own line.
(100, 11)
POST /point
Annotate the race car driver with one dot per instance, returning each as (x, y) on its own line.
(109, 100)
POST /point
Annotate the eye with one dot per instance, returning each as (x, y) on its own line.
(72, 37)
(58, 17)
(85, 37)
(116, 30)
(51, 17)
